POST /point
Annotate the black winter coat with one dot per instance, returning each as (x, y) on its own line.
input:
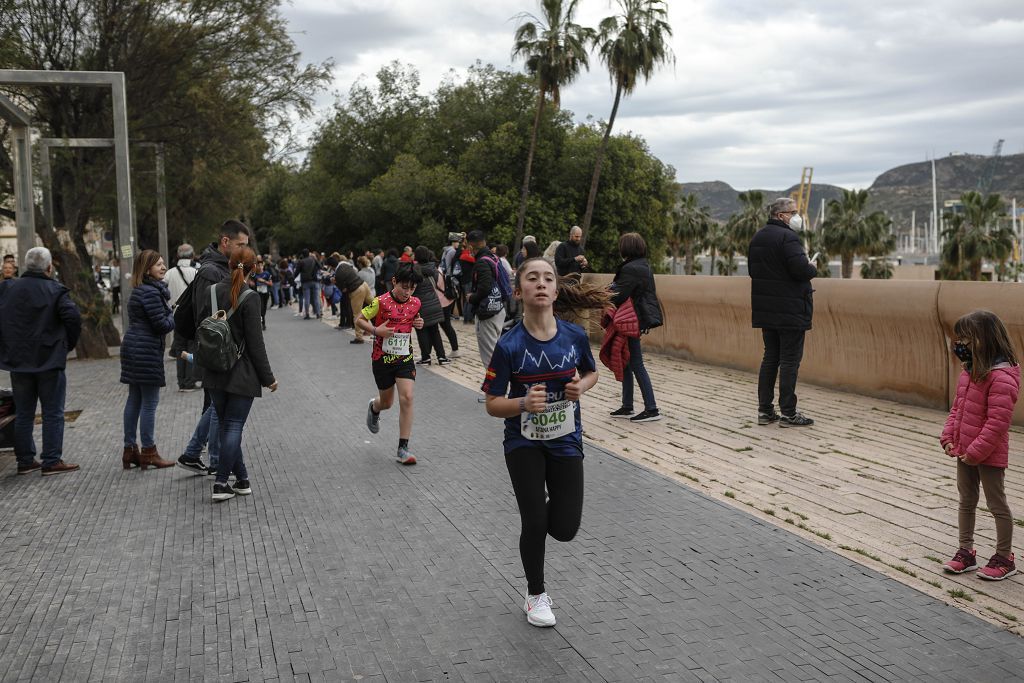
(252, 371)
(633, 280)
(387, 270)
(39, 324)
(565, 258)
(780, 279)
(426, 292)
(483, 277)
(149, 321)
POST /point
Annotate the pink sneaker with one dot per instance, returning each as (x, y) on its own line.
(963, 561)
(998, 568)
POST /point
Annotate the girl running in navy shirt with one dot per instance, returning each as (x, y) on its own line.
(538, 372)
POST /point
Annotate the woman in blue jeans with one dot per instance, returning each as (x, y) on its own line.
(635, 280)
(233, 391)
(142, 359)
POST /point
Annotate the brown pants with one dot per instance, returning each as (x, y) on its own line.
(359, 298)
(968, 477)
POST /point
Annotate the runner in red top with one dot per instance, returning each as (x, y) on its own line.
(390, 318)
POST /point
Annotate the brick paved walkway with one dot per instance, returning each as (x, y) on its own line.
(344, 565)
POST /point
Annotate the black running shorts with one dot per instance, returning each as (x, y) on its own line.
(385, 374)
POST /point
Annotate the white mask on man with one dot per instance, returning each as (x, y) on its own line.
(796, 222)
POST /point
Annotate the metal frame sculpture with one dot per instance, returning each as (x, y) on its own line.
(100, 79)
(46, 144)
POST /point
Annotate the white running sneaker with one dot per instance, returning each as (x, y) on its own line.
(538, 610)
(454, 353)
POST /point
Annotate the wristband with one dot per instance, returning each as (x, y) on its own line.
(374, 330)
(522, 405)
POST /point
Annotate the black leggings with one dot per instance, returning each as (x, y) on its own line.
(530, 468)
(430, 336)
(446, 327)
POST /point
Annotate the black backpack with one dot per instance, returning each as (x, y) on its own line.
(216, 348)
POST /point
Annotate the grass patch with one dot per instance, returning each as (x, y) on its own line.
(1004, 615)
(730, 494)
(960, 594)
(934, 583)
(1019, 522)
(798, 514)
(688, 476)
(901, 568)
(744, 449)
(819, 534)
(769, 512)
(861, 551)
(789, 520)
(933, 559)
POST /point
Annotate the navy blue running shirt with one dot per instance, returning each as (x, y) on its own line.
(520, 360)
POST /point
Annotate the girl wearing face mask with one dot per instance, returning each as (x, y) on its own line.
(977, 435)
(233, 391)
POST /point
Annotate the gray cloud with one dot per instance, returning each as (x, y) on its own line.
(758, 89)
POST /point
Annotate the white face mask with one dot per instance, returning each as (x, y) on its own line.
(796, 222)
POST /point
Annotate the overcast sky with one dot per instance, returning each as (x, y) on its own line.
(759, 88)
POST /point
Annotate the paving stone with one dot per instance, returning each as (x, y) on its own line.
(345, 564)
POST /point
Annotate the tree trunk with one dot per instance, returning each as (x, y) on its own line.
(688, 261)
(847, 260)
(595, 181)
(521, 219)
(711, 268)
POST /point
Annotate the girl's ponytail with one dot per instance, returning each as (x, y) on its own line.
(241, 263)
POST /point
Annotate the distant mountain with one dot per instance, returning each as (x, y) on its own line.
(898, 191)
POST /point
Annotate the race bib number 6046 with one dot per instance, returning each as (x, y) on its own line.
(557, 420)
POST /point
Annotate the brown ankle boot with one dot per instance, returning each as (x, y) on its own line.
(130, 457)
(150, 458)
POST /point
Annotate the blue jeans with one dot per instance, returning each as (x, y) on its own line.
(49, 389)
(636, 367)
(140, 414)
(207, 433)
(275, 293)
(311, 293)
(233, 411)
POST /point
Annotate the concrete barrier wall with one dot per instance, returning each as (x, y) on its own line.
(880, 338)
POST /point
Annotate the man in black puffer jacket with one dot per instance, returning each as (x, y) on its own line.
(781, 305)
(213, 269)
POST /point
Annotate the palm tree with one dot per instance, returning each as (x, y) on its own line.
(718, 242)
(849, 233)
(815, 246)
(690, 226)
(555, 50)
(881, 243)
(632, 44)
(742, 225)
(973, 236)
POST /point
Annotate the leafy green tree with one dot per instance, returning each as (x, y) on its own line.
(848, 232)
(632, 43)
(691, 224)
(971, 237)
(555, 50)
(217, 83)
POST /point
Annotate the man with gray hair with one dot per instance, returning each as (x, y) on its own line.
(39, 325)
(782, 307)
(178, 279)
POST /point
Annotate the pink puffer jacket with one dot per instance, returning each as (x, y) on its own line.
(978, 426)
